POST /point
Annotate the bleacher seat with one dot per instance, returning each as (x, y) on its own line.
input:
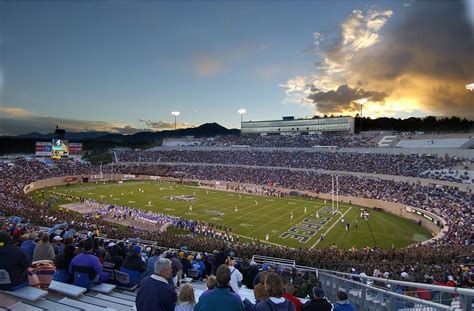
(122, 279)
(84, 276)
(103, 288)
(28, 293)
(193, 273)
(61, 276)
(67, 289)
(132, 275)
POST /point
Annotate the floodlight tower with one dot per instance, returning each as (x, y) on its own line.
(241, 111)
(175, 114)
(361, 102)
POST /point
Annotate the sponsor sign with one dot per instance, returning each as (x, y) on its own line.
(43, 148)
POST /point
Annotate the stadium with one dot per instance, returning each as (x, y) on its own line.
(346, 182)
(283, 207)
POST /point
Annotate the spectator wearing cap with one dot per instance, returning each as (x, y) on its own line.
(44, 251)
(113, 260)
(235, 276)
(58, 245)
(276, 301)
(221, 297)
(134, 260)
(318, 302)
(265, 268)
(343, 303)
(199, 265)
(289, 294)
(87, 260)
(14, 261)
(154, 292)
(28, 246)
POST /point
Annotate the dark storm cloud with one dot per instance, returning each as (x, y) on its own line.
(429, 55)
(343, 99)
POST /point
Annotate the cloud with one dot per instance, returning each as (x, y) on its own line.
(207, 65)
(425, 60)
(357, 33)
(343, 99)
(420, 63)
(15, 121)
(15, 112)
(162, 125)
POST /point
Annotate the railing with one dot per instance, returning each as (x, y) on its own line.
(369, 293)
(280, 262)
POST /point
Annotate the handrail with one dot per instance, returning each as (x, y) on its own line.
(408, 298)
(447, 289)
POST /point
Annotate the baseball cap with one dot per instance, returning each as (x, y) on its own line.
(318, 292)
(137, 249)
(57, 238)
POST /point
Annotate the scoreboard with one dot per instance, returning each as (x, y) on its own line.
(60, 148)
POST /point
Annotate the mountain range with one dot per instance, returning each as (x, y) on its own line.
(205, 130)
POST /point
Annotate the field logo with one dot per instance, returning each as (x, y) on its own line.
(305, 230)
(214, 212)
(182, 197)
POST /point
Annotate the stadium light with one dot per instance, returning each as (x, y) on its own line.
(470, 87)
(241, 111)
(361, 102)
(175, 114)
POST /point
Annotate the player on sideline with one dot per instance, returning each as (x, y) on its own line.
(266, 237)
(317, 214)
(149, 203)
(191, 208)
(256, 202)
(305, 210)
(291, 216)
(236, 209)
(240, 197)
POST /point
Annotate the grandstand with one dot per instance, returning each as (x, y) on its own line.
(442, 201)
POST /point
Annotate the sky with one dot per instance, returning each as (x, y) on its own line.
(124, 66)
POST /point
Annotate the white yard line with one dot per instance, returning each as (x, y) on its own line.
(325, 233)
(261, 241)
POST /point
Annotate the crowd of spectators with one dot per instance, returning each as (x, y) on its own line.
(439, 260)
(292, 141)
(389, 164)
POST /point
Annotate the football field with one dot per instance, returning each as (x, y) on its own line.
(295, 222)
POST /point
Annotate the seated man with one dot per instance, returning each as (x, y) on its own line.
(154, 292)
(14, 261)
(87, 262)
(134, 263)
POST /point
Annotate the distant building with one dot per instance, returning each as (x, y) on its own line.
(288, 125)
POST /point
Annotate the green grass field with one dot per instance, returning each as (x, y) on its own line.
(259, 215)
